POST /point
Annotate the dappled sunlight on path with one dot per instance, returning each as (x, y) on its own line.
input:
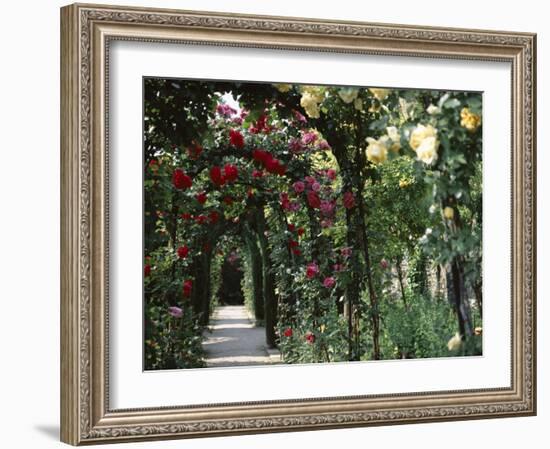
(233, 340)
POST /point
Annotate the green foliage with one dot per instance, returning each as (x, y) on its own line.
(418, 329)
(364, 194)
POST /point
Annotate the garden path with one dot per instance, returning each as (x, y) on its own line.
(233, 340)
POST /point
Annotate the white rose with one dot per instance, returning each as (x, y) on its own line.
(427, 151)
(395, 137)
(455, 342)
(433, 110)
(348, 94)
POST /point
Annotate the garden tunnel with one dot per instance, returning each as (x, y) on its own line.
(330, 195)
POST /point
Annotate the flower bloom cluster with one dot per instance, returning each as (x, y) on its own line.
(424, 142)
(312, 96)
(271, 164)
(183, 252)
(469, 120)
(180, 180)
(187, 288)
(377, 149)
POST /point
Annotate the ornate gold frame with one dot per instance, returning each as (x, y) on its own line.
(86, 31)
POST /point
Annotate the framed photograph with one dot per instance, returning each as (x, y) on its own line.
(279, 224)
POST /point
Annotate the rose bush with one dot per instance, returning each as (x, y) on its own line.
(329, 192)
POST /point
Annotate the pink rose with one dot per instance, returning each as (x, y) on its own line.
(331, 174)
(329, 282)
(316, 187)
(346, 252)
(299, 186)
(308, 138)
(327, 207)
(312, 270)
(349, 200)
(176, 312)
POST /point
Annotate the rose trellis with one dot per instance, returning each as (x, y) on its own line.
(296, 173)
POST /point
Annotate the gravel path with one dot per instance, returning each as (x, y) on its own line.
(233, 340)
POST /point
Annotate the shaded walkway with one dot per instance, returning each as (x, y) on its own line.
(233, 340)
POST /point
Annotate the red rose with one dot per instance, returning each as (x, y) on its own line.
(214, 216)
(310, 338)
(154, 165)
(349, 200)
(236, 138)
(260, 155)
(296, 251)
(230, 172)
(183, 251)
(293, 243)
(228, 200)
(201, 197)
(194, 151)
(257, 173)
(301, 231)
(147, 270)
(281, 169)
(313, 199)
(271, 164)
(291, 227)
(187, 216)
(288, 332)
(201, 219)
(187, 287)
(216, 176)
(180, 180)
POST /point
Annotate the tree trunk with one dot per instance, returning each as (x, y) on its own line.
(400, 278)
(478, 291)
(464, 321)
(256, 272)
(270, 300)
(352, 290)
(375, 314)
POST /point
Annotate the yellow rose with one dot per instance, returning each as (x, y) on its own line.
(316, 92)
(427, 151)
(469, 120)
(377, 152)
(310, 105)
(379, 94)
(283, 87)
(404, 183)
(311, 97)
(455, 342)
(420, 133)
(449, 213)
(348, 94)
(374, 108)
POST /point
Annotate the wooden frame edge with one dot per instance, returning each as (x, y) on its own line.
(85, 418)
